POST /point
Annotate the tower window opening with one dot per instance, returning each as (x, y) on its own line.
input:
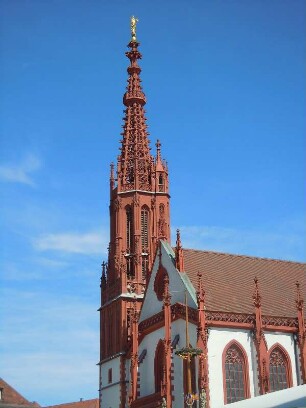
(144, 230)
(129, 267)
(129, 230)
(110, 375)
(144, 266)
(160, 183)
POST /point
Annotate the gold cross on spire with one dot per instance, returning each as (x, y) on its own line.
(134, 21)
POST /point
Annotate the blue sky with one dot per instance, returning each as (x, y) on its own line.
(225, 86)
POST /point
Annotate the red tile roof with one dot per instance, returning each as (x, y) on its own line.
(228, 281)
(11, 396)
(92, 403)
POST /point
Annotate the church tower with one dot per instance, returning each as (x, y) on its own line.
(139, 217)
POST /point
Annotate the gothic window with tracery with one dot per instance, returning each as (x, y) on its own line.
(279, 370)
(159, 364)
(236, 376)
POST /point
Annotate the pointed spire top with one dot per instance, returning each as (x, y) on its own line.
(135, 163)
(134, 21)
(112, 177)
(103, 277)
(178, 239)
(134, 92)
(256, 294)
(200, 289)
(179, 257)
(158, 146)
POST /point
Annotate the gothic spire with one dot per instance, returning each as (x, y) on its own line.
(135, 163)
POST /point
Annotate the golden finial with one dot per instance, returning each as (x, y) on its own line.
(134, 21)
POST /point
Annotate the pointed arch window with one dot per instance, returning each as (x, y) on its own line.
(159, 365)
(279, 369)
(235, 373)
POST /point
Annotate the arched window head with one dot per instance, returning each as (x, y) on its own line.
(279, 369)
(159, 365)
(235, 372)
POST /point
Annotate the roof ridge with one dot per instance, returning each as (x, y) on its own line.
(244, 256)
(72, 402)
(18, 393)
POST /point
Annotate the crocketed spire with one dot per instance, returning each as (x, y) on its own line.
(135, 163)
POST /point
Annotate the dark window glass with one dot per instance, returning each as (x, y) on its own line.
(110, 375)
(159, 364)
(234, 375)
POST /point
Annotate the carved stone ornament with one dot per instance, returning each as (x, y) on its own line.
(117, 203)
(202, 398)
(136, 201)
(277, 358)
(233, 356)
(131, 288)
(163, 403)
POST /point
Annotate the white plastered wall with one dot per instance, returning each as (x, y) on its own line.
(110, 394)
(217, 341)
(146, 368)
